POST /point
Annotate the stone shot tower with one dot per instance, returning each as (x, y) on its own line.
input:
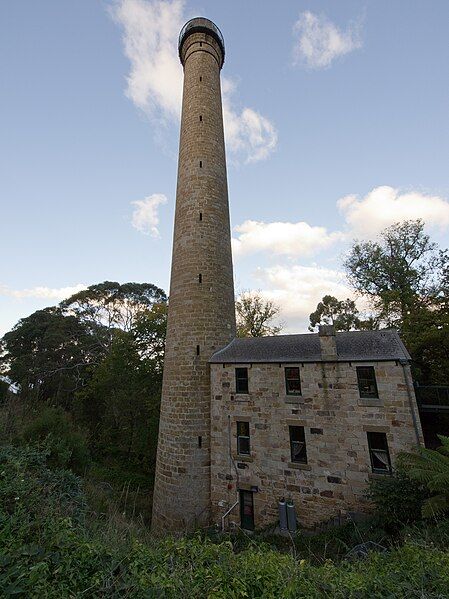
(201, 316)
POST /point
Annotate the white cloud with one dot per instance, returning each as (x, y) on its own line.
(145, 217)
(58, 293)
(384, 206)
(319, 41)
(298, 289)
(150, 33)
(154, 84)
(282, 238)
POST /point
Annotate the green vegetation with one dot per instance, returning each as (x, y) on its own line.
(54, 544)
(78, 445)
(403, 277)
(431, 469)
(89, 373)
(255, 315)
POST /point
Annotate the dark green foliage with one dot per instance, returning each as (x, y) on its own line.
(4, 386)
(48, 354)
(112, 305)
(97, 359)
(396, 270)
(67, 447)
(120, 404)
(398, 500)
(49, 548)
(430, 468)
(342, 314)
(405, 277)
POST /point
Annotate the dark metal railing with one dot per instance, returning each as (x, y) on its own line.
(200, 24)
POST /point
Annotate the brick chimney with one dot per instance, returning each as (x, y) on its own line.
(328, 345)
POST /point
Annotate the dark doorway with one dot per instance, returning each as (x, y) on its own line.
(246, 510)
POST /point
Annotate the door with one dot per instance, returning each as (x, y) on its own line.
(246, 510)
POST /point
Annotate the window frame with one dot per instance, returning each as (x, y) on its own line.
(384, 450)
(240, 379)
(291, 429)
(364, 394)
(286, 379)
(243, 437)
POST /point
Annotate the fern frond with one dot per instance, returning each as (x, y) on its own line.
(434, 506)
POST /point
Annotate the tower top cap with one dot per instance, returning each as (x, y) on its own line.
(201, 25)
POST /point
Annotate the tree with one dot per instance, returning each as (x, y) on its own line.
(52, 353)
(396, 272)
(255, 315)
(47, 354)
(110, 306)
(406, 278)
(342, 314)
(120, 403)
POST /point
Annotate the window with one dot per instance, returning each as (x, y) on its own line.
(378, 451)
(366, 378)
(201, 118)
(201, 164)
(298, 445)
(292, 381)
(243, 438)
(241, 380)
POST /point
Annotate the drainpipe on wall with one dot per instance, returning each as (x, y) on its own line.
(231, 465)
(411, 397)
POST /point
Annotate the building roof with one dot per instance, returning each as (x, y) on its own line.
(352, 346)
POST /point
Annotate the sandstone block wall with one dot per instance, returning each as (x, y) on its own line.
(335, 478)
(201, 315)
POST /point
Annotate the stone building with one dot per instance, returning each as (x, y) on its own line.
(308, 418)
(245, 422)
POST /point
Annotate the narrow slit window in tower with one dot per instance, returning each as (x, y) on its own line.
(201, 78)
(197, 350)
(201, 118)
(201, 164)
(200, 442)
(201, 216)
(201, 44)
(200, 278)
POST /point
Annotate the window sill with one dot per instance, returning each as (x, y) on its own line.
(299, 466)
(295, 399)
(378, 475)
(373, 402)
(241, 397)
(242, 458)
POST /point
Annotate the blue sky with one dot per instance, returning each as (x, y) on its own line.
(336, 125)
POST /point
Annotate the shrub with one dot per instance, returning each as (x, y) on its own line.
(398, 500)
(67, 447)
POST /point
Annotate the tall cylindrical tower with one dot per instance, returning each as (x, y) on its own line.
(201, 315)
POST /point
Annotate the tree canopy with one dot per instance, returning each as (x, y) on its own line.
(342, 314)
(405, 278)
(255, 315)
